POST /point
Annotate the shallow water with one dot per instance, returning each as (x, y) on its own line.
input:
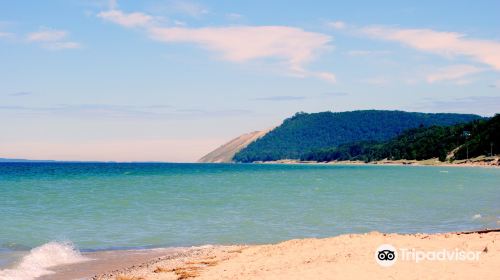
(99, 206)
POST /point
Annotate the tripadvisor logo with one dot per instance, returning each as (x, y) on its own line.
(386, 255)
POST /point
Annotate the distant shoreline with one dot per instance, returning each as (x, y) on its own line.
(494, 163)
(431, 162)
(489, 162)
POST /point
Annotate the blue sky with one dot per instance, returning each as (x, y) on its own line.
(169, 80)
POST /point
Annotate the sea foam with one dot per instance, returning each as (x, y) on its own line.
(39, 259)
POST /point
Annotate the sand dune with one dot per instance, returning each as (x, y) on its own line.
(226, 152)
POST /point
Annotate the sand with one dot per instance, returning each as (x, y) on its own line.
(349, 256)
(109, 261)
(481, 161)
(226, 152)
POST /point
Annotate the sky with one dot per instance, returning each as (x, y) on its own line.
(170, 80)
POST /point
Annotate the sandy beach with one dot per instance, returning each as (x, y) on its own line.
(481, 161)
(351, 256)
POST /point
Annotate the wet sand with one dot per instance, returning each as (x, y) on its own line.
(111, 261)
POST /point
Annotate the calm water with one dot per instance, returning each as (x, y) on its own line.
(112, 206)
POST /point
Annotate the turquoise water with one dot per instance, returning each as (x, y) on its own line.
(112, 206)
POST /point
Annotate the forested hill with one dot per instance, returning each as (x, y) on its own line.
(477, 138)
(305, 132)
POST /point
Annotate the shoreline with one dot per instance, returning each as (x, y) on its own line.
(484, 162)
(309, 258)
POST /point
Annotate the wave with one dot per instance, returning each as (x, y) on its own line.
(39, 259)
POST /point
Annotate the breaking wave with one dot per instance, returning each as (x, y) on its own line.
(39, 259)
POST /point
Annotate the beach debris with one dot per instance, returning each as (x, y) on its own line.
(181, 272)
(185, 274)
(161, 269)
(124, 277)
(236, 251)
(204, 262)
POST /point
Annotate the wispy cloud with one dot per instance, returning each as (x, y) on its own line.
(482, 105)
(47, 35)
(103, 110)
(6, 34)
(280, 98)
(326, 76)
(21, 93)
(202, 113)
(181, 8)
(127, 20)
(234, 16)
(292, 47)
(113, 4)
(101, 4)
(62, 46)
(188, 7)
(179, 23)
(52, 39)
(447, 44)
(453, 73)
(367, 52)
(336, 24)
(154, 112)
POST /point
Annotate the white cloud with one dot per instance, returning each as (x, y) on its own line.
(327, 76)
(293, 46)
(187, 7)
(179, 23)
(127, 20)
(62, 45)
(442, 43)
(366, 52)
(234, 16)
(47, 35)
(453, 72)
(52, 39)
(337, 25)
(5, 34)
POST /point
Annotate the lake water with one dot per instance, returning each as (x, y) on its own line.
(102, 206)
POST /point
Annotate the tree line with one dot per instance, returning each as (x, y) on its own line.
(461, 141)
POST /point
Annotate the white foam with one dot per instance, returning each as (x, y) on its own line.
(477, 216)
(39, 259)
